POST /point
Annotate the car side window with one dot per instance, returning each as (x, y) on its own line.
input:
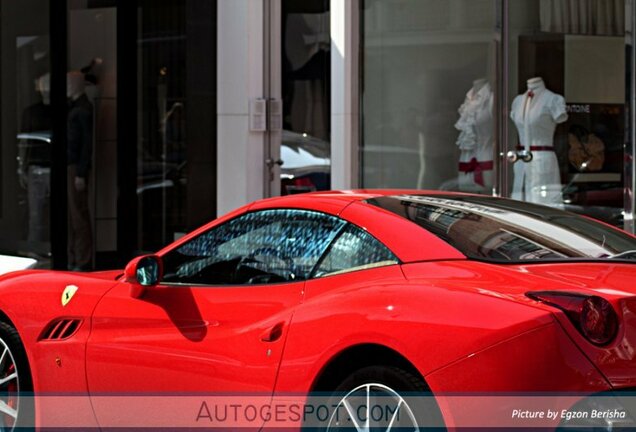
(269, 246)
(354, 250)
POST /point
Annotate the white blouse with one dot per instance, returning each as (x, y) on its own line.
(536, 117)
(536, 114)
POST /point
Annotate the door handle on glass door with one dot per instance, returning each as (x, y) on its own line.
(271, 162)
(522, 155)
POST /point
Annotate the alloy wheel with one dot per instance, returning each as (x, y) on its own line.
(373, 407)
(9, 389)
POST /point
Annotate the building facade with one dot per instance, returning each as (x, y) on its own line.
(200, 106)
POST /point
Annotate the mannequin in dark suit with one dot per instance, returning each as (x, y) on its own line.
(34, 161)
(79, 157)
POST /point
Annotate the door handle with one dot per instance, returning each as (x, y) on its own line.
(274, 333)
(271, 162)
(522, 155)
(512, 156)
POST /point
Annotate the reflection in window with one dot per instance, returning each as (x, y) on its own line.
(163, 168)
(508, 246)
(503, 230)
(428, 95)
(33, 138)
(355, 250)
(306, 91)
(263, 247)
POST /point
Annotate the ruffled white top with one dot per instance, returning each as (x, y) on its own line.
(475, 124)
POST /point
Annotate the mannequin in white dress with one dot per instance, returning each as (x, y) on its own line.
(536, 114)
(476, 139)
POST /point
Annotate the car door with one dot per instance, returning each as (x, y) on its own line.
(217, 322)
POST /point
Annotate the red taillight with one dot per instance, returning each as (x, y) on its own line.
(593, 316)
(599, 321)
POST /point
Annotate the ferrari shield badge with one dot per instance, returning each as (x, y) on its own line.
(68, 294)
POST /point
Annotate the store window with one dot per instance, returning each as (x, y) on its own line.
(447, 85)
(176, 120)
(306, 90)
(26, 131)
(91, 139)
(567, 104)
(162, 115)
(134, 90)
(428, 94)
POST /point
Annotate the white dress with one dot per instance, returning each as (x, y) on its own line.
(476, 139)
(536, 118)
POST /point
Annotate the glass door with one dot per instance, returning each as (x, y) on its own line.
(162, 115)
(174, 53)
(91, 135)
(298, 147)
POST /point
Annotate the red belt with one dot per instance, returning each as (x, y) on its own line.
(474, 166)
(537, 148)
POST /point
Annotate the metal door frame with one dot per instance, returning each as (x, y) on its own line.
(272, 93)
(630, 137)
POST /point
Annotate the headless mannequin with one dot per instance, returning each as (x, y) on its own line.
(479, 83)
(536, 114)
(37, 117)
(74, 90)
(43, 86)
(80, 146)
(34, 160)
(476, 139)
(74, 84)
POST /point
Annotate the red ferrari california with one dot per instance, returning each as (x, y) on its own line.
(352, 295)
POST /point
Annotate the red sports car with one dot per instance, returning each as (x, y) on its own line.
(475, 302)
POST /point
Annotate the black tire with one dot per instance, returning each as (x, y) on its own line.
(389, 384)
(392, 377)
(26, 419)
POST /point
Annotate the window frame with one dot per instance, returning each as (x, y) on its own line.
(311, 274)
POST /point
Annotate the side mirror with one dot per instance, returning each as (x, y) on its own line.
(144, 271)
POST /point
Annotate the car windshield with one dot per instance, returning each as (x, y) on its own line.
(496, 229)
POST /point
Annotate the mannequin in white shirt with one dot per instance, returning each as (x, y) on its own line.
(476, 139)
(536, 114)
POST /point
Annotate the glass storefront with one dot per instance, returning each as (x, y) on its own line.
(175, 111)
(567, 101)
(522, 98)
(25, 127)
(133, 164)
(306, 96)
(91, 136)
(428, 94)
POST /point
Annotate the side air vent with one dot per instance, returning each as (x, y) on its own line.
(60, 329)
